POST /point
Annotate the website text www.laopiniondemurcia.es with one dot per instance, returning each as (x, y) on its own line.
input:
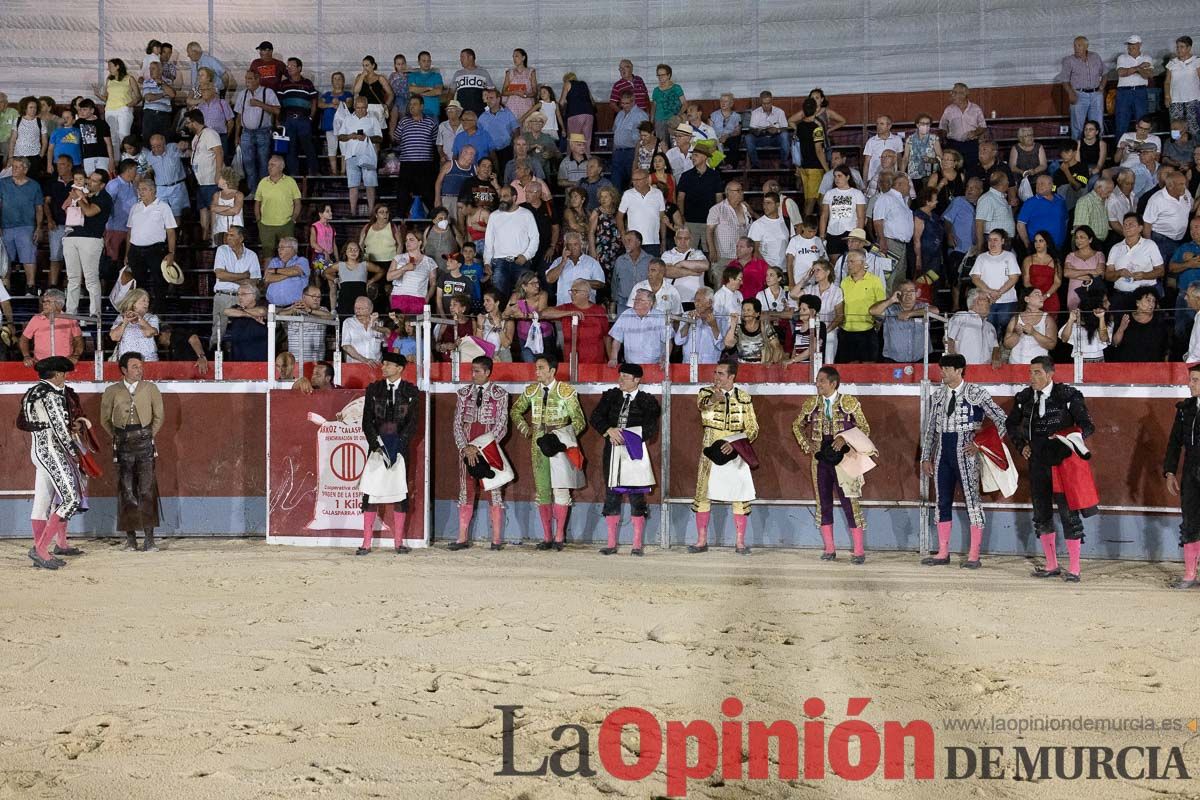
(850, 750)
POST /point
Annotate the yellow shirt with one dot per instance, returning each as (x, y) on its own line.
(119, 95)
(858, 297)
(276, 199)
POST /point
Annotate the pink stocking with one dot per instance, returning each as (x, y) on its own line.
(1191, 557)
(739, 525)
(614, 523)
(856, 536)
(639, 532)
(827, 537)
(944, 539)
(560, 516)
(702, 527)
(497, 514)
(1049, 549)
(1073, 547)
(465, 512)
(546, 512)
(976, 542)
(368, 528)
(398, 522)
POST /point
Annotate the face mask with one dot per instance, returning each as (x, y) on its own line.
(1176, 134)
(442, 224)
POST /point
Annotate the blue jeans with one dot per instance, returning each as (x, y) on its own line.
(1131, 106)
(781, 139)
(622, 167)
(1088, 105)
(256, 149)
(299, 131)
(504, 274)
(1166, 246)
(999, 316)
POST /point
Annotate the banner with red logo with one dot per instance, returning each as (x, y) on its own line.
(316, 455)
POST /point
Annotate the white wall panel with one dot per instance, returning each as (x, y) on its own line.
(714, 45)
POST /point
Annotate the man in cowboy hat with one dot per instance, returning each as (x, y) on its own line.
(948, 451)
(730, 425)
(573, 169)
(557, 421)
(45, 413)
(768, 126)
(131, 412)
(627, 418)
(389, 422)
(480, 423)
(677, 156)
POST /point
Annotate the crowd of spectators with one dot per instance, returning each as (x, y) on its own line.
(514, 215)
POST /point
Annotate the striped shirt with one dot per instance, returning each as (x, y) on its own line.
(416, 138)
(641, 98)
(296, 97)
(306, 341)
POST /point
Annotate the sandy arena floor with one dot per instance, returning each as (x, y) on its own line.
(230, 669)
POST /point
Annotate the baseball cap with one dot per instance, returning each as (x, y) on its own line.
(1135, 39)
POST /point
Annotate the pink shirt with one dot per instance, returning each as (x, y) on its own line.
(38, 331)
(957, 123)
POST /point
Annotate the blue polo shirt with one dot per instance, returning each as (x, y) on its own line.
(1040, 214)
(480, 140)
(1188, 276)
(499, 126)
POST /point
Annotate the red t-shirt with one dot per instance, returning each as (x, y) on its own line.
(270, 73)
(593, 328)
(754, 276)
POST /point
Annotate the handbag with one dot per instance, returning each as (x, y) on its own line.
(533, 340)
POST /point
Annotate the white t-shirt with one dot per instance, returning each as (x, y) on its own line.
(1193, 352)
(1089, 346)
(1142, 257)
(974, 336)
(782, 302)
(362, 149)
(843, 210)
(1185, 81)
(995, 270)
(687, 287)
(804, 253)
(1131, 156)
(1125, 61)
(772, 238)
(666, 299)
(642, 212)
(875, 146)
(204, 160)
(726, 302)
(415, 282)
